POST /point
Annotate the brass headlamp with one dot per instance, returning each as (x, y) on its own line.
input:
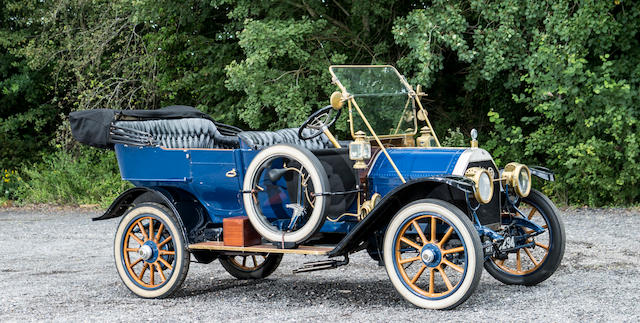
(518, 176)
(482, 182)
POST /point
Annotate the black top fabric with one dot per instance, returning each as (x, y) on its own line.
(170, 112)
(92, 127)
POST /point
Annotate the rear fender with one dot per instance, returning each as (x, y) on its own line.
(190, 213)
(450, 189)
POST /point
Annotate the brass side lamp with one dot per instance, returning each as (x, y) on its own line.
(359, 150)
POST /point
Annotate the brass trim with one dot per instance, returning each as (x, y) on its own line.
(333, 139)
(231, 173)
(510, 175)
(474, 174)
(384, 150)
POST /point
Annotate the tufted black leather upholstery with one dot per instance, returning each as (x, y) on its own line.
(262, 139)
(183, 133)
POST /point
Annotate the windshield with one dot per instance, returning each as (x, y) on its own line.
(382, 95)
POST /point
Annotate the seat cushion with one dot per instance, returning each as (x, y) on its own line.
(182, 133)
(262, 139)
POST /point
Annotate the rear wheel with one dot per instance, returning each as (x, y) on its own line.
(540, 259)
(150, 252)
(432, 254)
(253, 266)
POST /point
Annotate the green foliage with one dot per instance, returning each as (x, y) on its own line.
(554, 83)
(454, 138)
(9, 184)
(87, 176)
(570, 70)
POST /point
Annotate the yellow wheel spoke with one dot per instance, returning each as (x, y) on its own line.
(453, 250)
(431, 280)
(445, 278)
(140, 242)
(160, 228)
(144, 233)
(518, 261)
(164, 241)
(446, 236)
(162, 277)
(135, 263)
(535, 262)
(406, 260)
(152, 274)
(144, 268)
(433, 229)
(420, 271)
(545, 226)
(533, 211)
(166, 252)
(542, 246)
(420, 232)
(131, 249)
(165, 263)
(411, 243)
(151, 229)
(452, 265)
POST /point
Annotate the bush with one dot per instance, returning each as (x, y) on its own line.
(85, 176)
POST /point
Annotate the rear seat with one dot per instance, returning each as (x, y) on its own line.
(183, 133)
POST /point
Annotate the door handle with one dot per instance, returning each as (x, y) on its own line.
(232, 173)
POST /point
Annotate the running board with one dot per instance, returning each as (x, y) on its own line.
(321, 265)
(261, 248)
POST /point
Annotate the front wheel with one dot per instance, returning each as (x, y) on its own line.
(541, 256)
(150, 252)
(254, 266)
(432, 254)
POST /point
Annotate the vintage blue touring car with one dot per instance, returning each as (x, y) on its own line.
(431, 215)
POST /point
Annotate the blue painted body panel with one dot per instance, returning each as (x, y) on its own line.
(201, 172)
(413, 163)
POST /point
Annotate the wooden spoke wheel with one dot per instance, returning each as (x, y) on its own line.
(150, 253)
(251, 266)
(542, 253)
(433, 254)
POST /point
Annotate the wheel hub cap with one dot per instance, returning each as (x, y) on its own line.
(431, 255)
(427, 256)
(145, 252)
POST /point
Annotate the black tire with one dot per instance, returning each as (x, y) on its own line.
(262, 270)
(457, 249)
(204, 256)
(556, 239)
(157, 227)
(318, 178)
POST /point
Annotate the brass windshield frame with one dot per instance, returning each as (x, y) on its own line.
(411, 95)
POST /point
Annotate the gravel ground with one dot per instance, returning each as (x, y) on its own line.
(57, 265)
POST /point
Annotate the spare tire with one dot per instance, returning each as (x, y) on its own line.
(280, 174)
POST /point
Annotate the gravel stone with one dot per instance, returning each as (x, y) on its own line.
(57, 265)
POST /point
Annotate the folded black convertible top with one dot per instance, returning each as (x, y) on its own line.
(93, 127)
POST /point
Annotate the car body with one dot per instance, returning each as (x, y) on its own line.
(432, 215)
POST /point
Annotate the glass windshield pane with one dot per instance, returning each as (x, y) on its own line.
(381, 95)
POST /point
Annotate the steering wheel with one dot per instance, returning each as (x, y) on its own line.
(318, 121)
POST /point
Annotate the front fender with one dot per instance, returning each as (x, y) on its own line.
(445, 188)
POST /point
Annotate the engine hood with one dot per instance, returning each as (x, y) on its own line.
(415, 163)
